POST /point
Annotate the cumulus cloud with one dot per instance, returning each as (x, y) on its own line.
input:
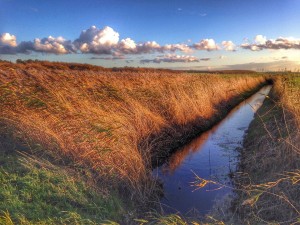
(8, 45)
(127, 46)
(177, 47)
(228, 45)
(53, 45)
(171, 58)
(8, 39)
(149, 47)
(206, 44)
(98, 41)
(252, 47)
(283, 43)
(25, 47)
(106, 41)
(260, 39)
(262, 42)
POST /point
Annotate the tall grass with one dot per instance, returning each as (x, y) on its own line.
(115, 123)
(35, 191)
(268, 178)
(268, 181)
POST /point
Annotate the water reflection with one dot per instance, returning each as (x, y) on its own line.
(212, 155)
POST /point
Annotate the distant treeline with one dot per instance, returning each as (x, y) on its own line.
(82, 66)
(222, 71)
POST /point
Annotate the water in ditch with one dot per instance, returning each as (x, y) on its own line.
(212, 156)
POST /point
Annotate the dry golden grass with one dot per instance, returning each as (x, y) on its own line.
(269, 179)
(109, 120)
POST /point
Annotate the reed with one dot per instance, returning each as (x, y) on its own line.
(268, 180)
(114, 123)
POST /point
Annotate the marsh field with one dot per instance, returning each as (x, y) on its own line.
(79, 143)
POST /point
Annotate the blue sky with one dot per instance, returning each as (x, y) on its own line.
(184, 22)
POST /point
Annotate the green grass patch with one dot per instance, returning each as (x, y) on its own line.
(100, 129)
(108, 91)
(33, 102)
(297, 80)
(5, 92)
(41, 193)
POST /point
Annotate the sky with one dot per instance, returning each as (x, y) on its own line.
(178, 34)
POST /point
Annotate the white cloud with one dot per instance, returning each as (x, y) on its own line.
(284, 43)
(53, 45)
(98, 41)
(127, 46)
(172, 58)
(149, 47)
(8, 44)
(262, 42)
(59, 45)
(177, 47)
(260, 39)
(107, 41)
(206, 44)
(8, 39)
(228, 45)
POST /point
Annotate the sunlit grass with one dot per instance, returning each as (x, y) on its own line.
(268, 178)
(112, 124)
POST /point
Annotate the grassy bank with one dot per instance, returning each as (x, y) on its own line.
(268, 181)
(104, 128)
(33, 190)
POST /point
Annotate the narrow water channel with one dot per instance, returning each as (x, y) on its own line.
(213, 155)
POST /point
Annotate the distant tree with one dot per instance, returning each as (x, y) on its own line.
(20, 61)
(29, 61)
